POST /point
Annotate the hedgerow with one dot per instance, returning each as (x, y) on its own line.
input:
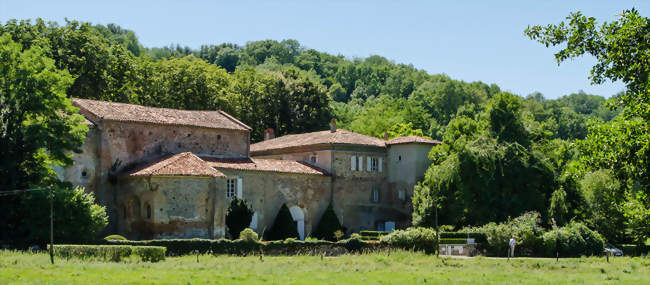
(412, 239)
(109, 252)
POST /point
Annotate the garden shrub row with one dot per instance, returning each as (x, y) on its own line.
(478, 237)
(109, 252)
(412, 239)
(178, 247)
(574, 239)
(634, 249)
(453, 241)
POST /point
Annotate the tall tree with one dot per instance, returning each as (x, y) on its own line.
(39, 127)
(622, 51)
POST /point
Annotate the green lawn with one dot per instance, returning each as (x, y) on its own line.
(379, 268)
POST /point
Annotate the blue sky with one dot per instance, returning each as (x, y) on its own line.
(467, 40)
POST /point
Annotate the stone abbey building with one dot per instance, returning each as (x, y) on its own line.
(165, 173)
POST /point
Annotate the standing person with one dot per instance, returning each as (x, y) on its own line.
(512, 244)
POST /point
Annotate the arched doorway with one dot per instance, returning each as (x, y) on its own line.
(299, 216)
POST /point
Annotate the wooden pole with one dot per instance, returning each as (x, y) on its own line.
(437, 232)
(51, 224)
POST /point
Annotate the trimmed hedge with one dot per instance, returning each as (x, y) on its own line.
(109, 252)
(371, 235)
(115, 237)
(453, 241)
(412, 239)
(290, 246)
(635, 250)
(478, 237)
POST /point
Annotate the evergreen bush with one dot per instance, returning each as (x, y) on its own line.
(284, 226)
(328, 225)
(238, 216)
(248, 234)
(412, 239)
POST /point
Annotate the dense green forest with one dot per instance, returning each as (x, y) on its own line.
(503, 154)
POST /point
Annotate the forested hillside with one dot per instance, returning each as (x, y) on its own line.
(574, 158)
(283, 85)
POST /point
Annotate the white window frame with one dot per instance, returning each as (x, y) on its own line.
(375, 195)
(360, 163)
(231, 188)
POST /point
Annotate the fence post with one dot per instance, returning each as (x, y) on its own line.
(51, 224)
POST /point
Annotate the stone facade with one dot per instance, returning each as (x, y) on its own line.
(166, 173)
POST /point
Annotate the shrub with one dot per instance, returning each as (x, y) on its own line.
(284, 226)
(575, 239)
(526, 230)
(328, 225)
(352, 244)
(109, 252)
(635, 249)
(356, 235)
(412, 238)
(248, 234)
(150, 253)
(238, 216)
(175, 247)
(446, 228)
(115, 237)
(77, 218)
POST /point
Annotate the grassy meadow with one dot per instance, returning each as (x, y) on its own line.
(378, 268)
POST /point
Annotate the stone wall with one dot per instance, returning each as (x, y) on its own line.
(83, 172)
(171, 207)
(267, 191)
(353, 197)
(126, 144)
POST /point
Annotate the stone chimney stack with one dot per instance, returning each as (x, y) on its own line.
(333, 126)
(385, 135)
(269, 134)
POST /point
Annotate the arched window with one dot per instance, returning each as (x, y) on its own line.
(148, 211)
(135, 207)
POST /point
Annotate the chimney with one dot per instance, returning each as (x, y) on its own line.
(269, 134)
(333, 126)
(385, 135)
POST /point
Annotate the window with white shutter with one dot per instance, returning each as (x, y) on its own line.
(369, 163)
(240, 192)
(353, 163)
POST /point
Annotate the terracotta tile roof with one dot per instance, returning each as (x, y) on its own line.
(136, 113)
(182, 164)
(271, 165)
(412, 139)
(317, 138)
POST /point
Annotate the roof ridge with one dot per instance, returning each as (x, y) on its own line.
(152, 107)
(233, 119)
